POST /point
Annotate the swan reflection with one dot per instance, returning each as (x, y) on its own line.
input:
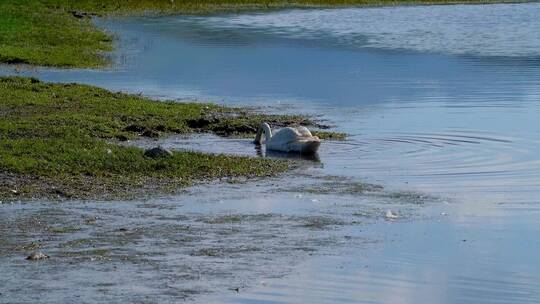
(262, 152)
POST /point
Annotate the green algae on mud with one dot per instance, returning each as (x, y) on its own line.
(131, 240)
(60, 33)
(345, 186)
(62, 141)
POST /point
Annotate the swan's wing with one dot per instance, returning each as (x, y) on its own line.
(304, 132)
(285, 135)
(292, 139)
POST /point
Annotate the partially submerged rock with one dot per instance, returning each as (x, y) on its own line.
(157, 152)
(36, 256)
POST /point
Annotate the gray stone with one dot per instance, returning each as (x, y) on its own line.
(36, 256)
(157, 152)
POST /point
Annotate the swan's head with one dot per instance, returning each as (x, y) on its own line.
(264, 128)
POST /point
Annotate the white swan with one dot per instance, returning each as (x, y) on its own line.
(288, 139)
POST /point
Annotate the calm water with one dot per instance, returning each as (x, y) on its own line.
(441, 100)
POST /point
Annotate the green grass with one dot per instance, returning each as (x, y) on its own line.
(38, 34)
(47, 33)
(213, 6)
(63, 140)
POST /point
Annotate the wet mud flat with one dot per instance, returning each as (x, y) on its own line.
(179, 248)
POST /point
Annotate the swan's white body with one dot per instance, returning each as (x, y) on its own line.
(288, 139)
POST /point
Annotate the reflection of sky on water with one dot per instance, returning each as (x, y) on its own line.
(465, 259)
(249, 59)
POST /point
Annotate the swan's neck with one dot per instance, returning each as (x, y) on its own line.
(267, 133)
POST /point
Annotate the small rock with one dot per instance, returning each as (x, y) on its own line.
(157, 152)
(36, 256)
(15, 192)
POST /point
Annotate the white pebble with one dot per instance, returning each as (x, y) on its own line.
(390, 215)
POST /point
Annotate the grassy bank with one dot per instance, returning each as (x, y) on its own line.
(63, 140)
(213, 6)
(59, 32)
(32, 32)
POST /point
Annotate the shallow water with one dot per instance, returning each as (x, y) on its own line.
(440, 100)
(213, 238)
